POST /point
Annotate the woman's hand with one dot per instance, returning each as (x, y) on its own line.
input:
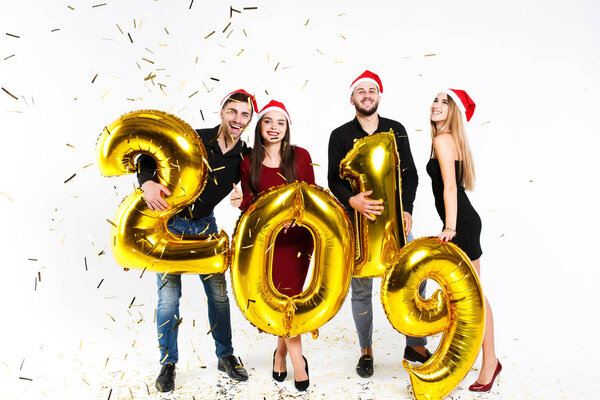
(236, 197)
(153, 194)
(446, 235)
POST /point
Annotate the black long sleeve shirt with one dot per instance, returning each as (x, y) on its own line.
(341, 142)
(218, 181)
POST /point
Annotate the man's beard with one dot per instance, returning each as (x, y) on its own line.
(364, 112)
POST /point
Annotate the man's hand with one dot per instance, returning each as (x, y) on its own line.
(236, 197)
(407, 222)
(153, 195)
(365, 206)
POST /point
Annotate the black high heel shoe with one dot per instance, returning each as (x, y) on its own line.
(278, 376)
(303, 385)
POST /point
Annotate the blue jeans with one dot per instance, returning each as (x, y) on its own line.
(169, 293)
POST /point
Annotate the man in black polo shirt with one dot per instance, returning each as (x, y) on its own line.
(365, 96)
(224, 154)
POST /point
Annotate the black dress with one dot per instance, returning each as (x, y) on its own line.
(468, 223)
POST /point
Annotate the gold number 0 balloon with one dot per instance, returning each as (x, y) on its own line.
(141, 238)
(458, 311)
(372, 164)
(252, 255)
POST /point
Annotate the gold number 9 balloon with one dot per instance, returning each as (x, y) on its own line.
(372, 164)
(457, 310)
(252, 259)
(140, 238)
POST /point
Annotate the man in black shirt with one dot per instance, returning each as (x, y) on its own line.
(224, 154)
(365, 96)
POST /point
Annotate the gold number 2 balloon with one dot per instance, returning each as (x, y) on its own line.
(372, 164)
(457, 310)
(252, 259)
(140, 238)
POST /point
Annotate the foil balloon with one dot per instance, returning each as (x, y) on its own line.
(252, 259)
(373, 164)
(457, 310)
(140, 238)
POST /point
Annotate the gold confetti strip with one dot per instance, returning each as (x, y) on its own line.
(111, 317)
(12, 55)
(15, 36)
(134, 27)
(85, 263)
(315, 164)
(209, 35)
(130, 37)
(99, 5)
(145, 59)
(341, 15)
(149, 77)
(191, 5)
(87, 165)
(73, 10)
(94, 79)
(320, 52)
(132, 300)
(10, 94)
(343, 37)
(485, 123)
(32, 259)
(303, 86)
(245, 34)
(282, 176)
(39, 276)
(247, 247)
(104, 95)
(112, 223)
(7, 196)
(110, 392)
(275, 69)
(212, 329)
(98, 287)
(306, 23)
(202, 115)
(363, 313)
(429, 55)
(238, 54)
(228, 25)
(250, 8)
(54, 30)
(86, 382)
(25, 379)
(71, 177)
(192, 94)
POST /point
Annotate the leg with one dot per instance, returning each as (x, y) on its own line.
(489, 359)
(167, 314)
(215, 287)
(362, 311)
(280, 353)
(294, 348)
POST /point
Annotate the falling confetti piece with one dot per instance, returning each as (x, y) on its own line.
(98, 287)
(132, 300)
(25, 379)
(70, 7)
(485, 123)
(104, 95)
(429, 55)
(10, 94)
(130, 37)
(320, 52)
(228, 25)
(212, 329)
(12, 55)
(99, 5)
(306, 23)
(7, 196)
(250, 8)
(241, 51)
(145, 59)
(191, 5)
(110, 392)
(202, 115)
(54, 30)
(87, 165)
(214, 79)
(15, 36)
(275, 69)
(71, 177)
(112, 223)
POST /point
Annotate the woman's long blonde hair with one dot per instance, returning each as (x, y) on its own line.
(454, 125)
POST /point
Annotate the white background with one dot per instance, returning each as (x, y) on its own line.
(531, 67)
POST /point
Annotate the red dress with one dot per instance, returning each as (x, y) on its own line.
(292, 250)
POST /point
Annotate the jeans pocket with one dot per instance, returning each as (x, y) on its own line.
(177, 226)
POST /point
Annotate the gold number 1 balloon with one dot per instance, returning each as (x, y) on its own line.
(372, 164)
(252, 259)
(457, 310)
(140, 238)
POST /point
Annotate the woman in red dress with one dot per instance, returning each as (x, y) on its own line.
(274, 162)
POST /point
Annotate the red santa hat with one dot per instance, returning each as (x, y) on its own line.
(367, 76)
(252, 99)
(462, 100)
(274, 105)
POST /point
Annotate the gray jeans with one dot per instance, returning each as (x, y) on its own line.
(362, 311)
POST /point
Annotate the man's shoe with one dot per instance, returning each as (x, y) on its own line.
(166, 379)
(411, 354)
(364, 368)
(232, 366)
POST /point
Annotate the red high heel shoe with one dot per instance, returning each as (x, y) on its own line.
(479, 387)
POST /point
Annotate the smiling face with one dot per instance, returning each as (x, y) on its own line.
(365, 98)
(439, 108)
(273, 126)
(235, 116)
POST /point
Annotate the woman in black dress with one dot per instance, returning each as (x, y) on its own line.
(451, 170)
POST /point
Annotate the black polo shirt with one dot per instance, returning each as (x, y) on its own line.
(218, 181)
(341, 142)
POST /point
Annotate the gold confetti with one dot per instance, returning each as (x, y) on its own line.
(86, 382)
(6, 58)
(112, 223)
(99, 5)
(247, 247)
(10, 94)
(306, 23)
(209, 35)
(130, 37)
(315, 165)
(87, 165)
(228, 25)
(250, 8)
(241, 51)
(485, 123)
(71, 177)
(303, 86)
(54, 30)
(191, 5)
(151, 76)
(429, 55)
(111, 317)
(212, 329)
(7, 196)
(343, 37)
(25, 379)
(70, 7)
(275, 69)
(363, 313)
(85, 263)
(132, 300)
(15, 36)
(98, 287)
(145, 59)
(202, 115)
(104, 95)
(243, 30)
(192, 94)
(282, 176)
(320, 52)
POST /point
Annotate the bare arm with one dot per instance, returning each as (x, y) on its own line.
(446, 152)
